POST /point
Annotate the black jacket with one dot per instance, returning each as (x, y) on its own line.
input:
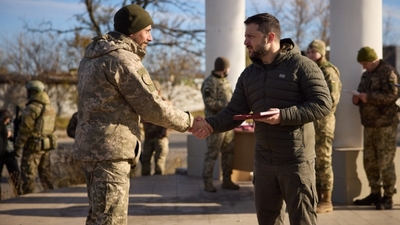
(294, 84)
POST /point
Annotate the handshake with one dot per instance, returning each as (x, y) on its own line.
(201, 129)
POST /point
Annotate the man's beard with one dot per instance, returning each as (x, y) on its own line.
(259, 50)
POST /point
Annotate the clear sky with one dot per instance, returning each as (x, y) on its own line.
(15, 13)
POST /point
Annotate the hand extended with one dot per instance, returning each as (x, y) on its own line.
(272, 119)
(201, 129)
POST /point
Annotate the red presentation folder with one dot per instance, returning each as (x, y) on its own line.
(255, 115)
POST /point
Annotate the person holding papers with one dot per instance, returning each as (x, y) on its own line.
(378, 111)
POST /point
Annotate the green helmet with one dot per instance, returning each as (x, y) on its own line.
(35, 85)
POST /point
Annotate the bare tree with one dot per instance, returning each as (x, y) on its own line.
(179, 22)
(322, 14)
(34, 55)
(299, 18)
(389, 35)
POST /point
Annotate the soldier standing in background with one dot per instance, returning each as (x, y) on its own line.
(378, 111)
(155, 145)
(7, 152)
(217, 92)
(115, 91)
(325, 127)
(35, 137)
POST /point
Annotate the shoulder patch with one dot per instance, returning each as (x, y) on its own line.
(207, 92)
(146, 79)
(141, 71)
(145, 76)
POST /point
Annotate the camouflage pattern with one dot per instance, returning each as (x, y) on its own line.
(35, 125)
(381, 108)
(110, 106)
(216, 143)
(158, 148)
(31, 164)
(325, 129)
(379, 153)
(379, 118)
(7, 156)
(217, 92)
(10, 143)
(108, 191)
(114, 92)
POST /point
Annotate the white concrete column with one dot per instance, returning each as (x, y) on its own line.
(354, 24)
(225, 35)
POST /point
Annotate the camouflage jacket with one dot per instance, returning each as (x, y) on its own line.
(32, 125)
(216, 92)
(114, 91)
(332, 77)
(380, 109)
(152, 131)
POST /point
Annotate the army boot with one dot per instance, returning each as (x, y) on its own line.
(371, 199)
(325, 203)
(385, 203)
(208, 186)
(228, 184)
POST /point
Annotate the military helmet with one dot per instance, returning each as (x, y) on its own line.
(35, 85)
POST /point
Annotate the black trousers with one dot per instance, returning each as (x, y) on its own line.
(293, 184)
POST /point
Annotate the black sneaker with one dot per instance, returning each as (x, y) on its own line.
(371, 199)
(386, 203)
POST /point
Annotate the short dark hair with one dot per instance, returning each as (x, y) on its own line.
(266, 23)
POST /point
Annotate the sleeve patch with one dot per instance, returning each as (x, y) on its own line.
(146, 79)
(207, 92)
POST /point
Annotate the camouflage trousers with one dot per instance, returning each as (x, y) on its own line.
(157, 148)
(379, 151)
(33, 163)
(107, 185)
(324, 133)
(216, 143)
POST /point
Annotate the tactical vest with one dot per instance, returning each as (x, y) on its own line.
(43, 131)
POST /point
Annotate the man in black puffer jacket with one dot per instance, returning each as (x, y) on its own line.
(281, 80)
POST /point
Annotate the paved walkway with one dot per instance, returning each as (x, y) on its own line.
(170, 200)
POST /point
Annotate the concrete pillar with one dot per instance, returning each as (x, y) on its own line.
(225, 35)
(353, 24)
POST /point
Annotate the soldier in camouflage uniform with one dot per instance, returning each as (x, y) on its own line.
(35, 137)
(217, 92)
(325, 127)
(115, 91)
(155, 145)
(7, 152)
(378, 111)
